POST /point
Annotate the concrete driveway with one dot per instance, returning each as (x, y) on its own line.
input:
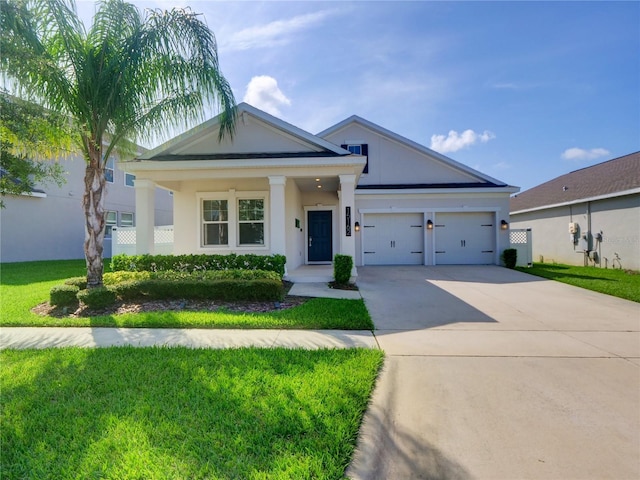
(495, 374)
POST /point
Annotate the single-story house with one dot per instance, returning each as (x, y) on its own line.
(355, 189)
(589, 216)
(48, 223)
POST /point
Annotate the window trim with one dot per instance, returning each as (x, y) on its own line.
(233, 197)
(126, 175)
(122, 221)
(111, 168)
(107, 225)
(364, 152)
(240, 198)
(204, 222)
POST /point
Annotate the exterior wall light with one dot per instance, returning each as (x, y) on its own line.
(429, 225)
(504, 225)
(357, 226)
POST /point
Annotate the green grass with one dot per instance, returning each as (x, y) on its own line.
(619, 283)
(25, 285)
(177, 413)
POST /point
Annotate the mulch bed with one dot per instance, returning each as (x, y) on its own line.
(119, 308)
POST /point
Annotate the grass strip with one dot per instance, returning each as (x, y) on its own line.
(619, 283)
(182, 413)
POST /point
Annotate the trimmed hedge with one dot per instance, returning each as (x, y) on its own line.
(115, 278)
(510, 257)
(80, 282)
(342, 266)
(98, 297)
(261, 289)
(64, 295)
(192, 263)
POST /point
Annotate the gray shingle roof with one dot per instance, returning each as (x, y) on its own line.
(606, 178)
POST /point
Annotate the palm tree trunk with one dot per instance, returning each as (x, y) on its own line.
(93, 205)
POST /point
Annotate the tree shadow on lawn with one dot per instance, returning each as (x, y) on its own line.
(178, 413)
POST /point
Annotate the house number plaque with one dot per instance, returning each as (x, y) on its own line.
(347, 217)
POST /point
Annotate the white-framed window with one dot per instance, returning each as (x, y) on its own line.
(359, 149)
(251, 221)
(111, 220)
(126, 219)
(215, 223)
(129, 179)
(109, 169)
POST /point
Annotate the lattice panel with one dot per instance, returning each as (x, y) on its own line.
(518, 237)
(163, 235)
(126, 237)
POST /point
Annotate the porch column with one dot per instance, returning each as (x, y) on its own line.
(145, 215)
(347, 199)
(277, 214)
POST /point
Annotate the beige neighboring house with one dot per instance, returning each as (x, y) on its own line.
(355, 189)
(589, 216)
(48, 224)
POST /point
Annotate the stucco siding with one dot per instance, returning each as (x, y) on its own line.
(617, 218)
(294, 235)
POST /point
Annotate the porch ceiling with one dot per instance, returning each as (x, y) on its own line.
(318, 184)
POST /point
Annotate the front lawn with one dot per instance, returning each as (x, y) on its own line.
(182, 413)
(619, 283)
(25, 285)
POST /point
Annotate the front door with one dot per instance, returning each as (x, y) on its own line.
(319, 236)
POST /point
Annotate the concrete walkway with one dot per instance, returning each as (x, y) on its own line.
(495, 374)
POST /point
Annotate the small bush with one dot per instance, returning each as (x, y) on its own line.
(194, 263)
(510, 257)
(342, 266)
(99, 297)
(80, 282)
(64, 295)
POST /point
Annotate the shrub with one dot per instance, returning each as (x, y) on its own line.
(342, 266)
(64, 295)
(193, 263)
(80, 282)
(99, 297)
(510, 257)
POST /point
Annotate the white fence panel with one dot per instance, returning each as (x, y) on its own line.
(124, 240)
(520, 239)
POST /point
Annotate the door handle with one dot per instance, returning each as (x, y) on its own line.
(310, 241)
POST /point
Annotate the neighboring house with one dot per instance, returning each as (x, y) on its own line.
(355, 189)
(49, 223)
(589, 216)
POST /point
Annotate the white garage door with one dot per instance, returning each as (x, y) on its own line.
(465, 238)
(393, 239)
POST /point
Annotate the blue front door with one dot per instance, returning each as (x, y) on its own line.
(319, 236)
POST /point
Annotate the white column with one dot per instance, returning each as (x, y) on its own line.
(145, 215)
(347, 199)
(277, 226)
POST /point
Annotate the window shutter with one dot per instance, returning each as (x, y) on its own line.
(365, 152)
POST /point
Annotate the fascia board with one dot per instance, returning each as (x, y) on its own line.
(507, 189)
(579, 200)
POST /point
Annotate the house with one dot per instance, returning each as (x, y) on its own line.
(355, 189)
(48, 224)
(589, 216)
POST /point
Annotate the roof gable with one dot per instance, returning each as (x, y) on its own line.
(604, 179)
(257, 135)
(397, 160)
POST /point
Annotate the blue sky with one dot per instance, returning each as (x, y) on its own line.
(522, 91)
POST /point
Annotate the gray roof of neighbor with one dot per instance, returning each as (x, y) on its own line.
(606, 178)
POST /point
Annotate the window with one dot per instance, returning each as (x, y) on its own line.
(251, 222)
(109, 169)
(126, 219)
(215, 222)
(129, 179)
(359, 149)
(111, 220)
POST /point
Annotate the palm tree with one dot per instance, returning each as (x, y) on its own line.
(130, 77)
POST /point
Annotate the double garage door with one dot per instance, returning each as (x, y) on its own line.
(398, 238)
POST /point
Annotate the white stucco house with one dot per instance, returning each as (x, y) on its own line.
(355, 189)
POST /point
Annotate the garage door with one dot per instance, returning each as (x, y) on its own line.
(465, 238)
(393, 239)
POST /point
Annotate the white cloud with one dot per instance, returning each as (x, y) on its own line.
(579, 154)
(276, 33)
(263, 93)
(455, 141)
